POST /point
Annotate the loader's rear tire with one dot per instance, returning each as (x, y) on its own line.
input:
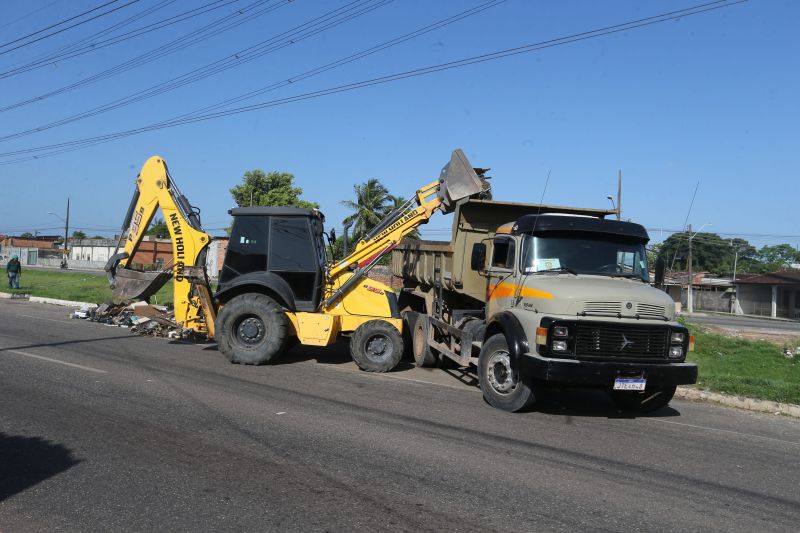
(423, 354)
(500, 386)
(252, 329)
(376, 346)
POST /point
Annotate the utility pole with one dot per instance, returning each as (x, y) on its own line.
(66, 236)
(689, 306)
(619, 195)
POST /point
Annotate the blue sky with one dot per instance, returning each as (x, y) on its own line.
(709, 98)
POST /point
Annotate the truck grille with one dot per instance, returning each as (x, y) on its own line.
(621, 341)
(651, 310)
(602, 308)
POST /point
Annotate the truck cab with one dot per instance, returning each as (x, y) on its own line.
(571, 297)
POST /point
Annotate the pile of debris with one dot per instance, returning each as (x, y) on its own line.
(140, 317)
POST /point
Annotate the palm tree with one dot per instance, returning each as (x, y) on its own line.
(372, 200)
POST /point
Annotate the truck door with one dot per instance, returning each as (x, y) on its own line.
(501, 277)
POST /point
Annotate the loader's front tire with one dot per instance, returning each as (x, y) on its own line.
(376, 346)
(252, 329)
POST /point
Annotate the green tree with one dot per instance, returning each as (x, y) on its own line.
(710, 253)
(372, 203)
(275, 188)
(158, 229)
(777, 257)
(27, 235)
(78, 234)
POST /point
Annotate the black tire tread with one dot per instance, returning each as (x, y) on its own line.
(359, 338)
(274, 318)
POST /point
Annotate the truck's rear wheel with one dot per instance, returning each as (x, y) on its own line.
(651, 399)
(501, 387)
(252, 329)
(423, 355)
(376, 346)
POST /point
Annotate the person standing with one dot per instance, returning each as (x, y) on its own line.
(14, 269)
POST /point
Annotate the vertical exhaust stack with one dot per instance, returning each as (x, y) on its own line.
(458, 181)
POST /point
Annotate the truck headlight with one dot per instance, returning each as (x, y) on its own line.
(675, 352)
(677, 337)
(560, 331)
(559, 346)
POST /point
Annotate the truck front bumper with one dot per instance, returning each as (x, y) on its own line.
(577, 372)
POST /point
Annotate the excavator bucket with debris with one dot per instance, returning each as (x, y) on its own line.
(129, 285)
(459, 181)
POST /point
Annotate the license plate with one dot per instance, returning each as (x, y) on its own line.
(629, 384)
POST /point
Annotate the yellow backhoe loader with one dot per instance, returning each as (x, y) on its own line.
(276, 283)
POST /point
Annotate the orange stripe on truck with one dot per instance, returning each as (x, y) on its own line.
(508, 290)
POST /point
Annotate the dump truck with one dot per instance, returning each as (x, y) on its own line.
(278, 283)
(538, 297)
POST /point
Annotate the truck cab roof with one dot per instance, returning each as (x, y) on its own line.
(543, 224)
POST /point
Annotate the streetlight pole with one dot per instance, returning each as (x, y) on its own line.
(689, 306)
(66, 233)
(611, 199)
(689, 301)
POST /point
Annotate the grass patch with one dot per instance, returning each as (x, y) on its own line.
(757, 369)
(76, 286)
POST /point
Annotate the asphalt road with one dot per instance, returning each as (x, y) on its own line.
(746, 322)
(102, 430)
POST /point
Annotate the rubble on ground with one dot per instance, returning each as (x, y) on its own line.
(140, 317)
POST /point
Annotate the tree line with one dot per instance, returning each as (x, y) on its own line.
(712, 253)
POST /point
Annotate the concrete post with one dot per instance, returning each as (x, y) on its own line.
(774, 301)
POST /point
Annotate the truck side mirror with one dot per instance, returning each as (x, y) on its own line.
(660, 267)
(478, 260)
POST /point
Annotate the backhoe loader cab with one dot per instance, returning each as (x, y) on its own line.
(279, 249)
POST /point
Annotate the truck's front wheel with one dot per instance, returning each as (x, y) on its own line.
(376, 346)
(252, 329)
(502, 388)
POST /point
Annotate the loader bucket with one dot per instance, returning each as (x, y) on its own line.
(129, 284)
(459, 181)
(135, 285)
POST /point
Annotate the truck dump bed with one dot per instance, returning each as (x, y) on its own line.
(423, 262)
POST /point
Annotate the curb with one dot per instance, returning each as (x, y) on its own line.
(64, 303)
(42, 300)
(741, 402)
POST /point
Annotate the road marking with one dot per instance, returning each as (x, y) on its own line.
(48, 359)
(721, 430)
(44, 318)
(391, 376)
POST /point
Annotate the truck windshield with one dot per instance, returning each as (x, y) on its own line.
(584, 255)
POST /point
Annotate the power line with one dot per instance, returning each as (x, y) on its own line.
(29, 14)
(67, 28)
(245, 55)
(297, 34)
(72, 51)
(248, 13)
(62, 147)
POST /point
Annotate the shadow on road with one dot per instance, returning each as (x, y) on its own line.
(27, 461)
(590, 403)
